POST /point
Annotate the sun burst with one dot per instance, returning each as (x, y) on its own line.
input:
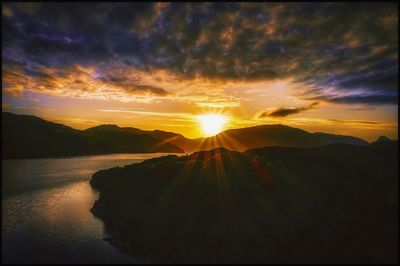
(212, 124)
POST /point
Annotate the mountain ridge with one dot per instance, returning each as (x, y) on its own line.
(25, 136)
(242, 139)
(108, 138)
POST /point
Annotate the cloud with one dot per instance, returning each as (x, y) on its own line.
(283, 112)
(112, 82)
(129, 83)
(362, 108)
(77, 82)
(362, 99)
(139, 112)
(351, 47)
(354, 121)
(172, 116)
(71, 121)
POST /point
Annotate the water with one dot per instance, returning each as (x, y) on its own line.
(45, 210)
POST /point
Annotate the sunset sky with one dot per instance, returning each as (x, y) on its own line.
(330, 67)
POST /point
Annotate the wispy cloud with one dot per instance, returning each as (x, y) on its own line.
(150, 113)
(283, 112)
(362, 99)
(355, 121)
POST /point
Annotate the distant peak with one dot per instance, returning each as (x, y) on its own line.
(109, 126)
(383, 139)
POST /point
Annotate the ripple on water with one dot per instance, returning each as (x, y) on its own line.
(46, 217)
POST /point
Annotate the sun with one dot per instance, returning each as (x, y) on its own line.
(212, 124)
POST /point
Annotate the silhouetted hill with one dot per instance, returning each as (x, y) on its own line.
(171, 137)
(331, 204)
(164, 135)
(269, 135)
(252, 137)
(383, 140)
(30, 136)
(128, 139)
(25, 136)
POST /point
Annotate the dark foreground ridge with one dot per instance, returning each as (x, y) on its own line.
(331, 204)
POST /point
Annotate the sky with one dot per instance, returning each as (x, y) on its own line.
(330, 67)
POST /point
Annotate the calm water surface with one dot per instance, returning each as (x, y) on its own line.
(45, 210)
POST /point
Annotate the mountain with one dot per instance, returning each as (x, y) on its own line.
(252, 137)
(30, 136)
(25, 136)
(335, 203)
(268, 135)
(128, 139)
(382, 140)
(168, 137)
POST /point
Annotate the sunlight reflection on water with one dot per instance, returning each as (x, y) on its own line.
(46, 215)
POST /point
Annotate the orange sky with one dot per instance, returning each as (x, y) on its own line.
(161, 65)
(241, 102)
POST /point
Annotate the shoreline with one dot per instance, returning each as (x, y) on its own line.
(85, 155)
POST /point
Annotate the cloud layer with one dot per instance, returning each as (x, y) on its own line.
(338, 52)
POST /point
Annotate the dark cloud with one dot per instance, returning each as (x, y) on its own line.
(282, 112)
(362, 108)
(132, 85)
(362, 99)
(347, 46)
(149, 89)
(384, 80)
(354, 121)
